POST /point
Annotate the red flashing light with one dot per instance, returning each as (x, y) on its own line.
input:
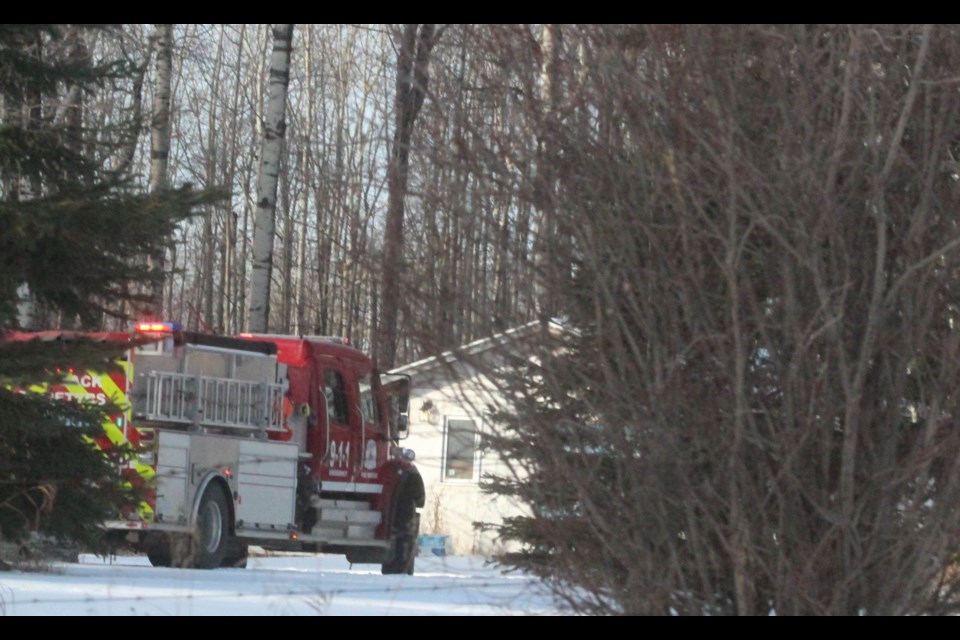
(157, 327)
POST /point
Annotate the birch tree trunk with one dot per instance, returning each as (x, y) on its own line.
(210, 311)
(286, 199)
(160, 148)
(263, 226)
(547, 282)
(258, 53)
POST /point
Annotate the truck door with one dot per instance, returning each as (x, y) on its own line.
(339, 462)
(374, 441)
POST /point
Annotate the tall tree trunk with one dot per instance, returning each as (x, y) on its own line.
(413, 59)
(286, 202)
(546, 283)
(160, 149)
(263, 226)
(248, 181)
(307, 169)
(209, 311)
(300, 318)
(230, 284)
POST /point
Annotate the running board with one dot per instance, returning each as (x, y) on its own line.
(322, 536)
(344, 520)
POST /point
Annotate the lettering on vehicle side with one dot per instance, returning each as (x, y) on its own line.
(94, 398)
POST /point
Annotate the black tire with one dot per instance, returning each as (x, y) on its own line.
(159, 558)
(404, 532)
(213, 529)
(183, 550)
(236, 555)
(157, 547)
(172, 550)
(236, 563)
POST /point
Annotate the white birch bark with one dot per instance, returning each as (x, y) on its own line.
(264, 221)
(160, 147)
(160, 123)
(546, 282)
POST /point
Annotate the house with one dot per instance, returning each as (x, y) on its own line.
(451, 399)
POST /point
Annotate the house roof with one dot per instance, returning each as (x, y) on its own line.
(554, 326)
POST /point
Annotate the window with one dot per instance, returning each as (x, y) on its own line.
(368, 402)
(336, 394)
(460, 450)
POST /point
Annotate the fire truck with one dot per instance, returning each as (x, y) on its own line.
(287, 443)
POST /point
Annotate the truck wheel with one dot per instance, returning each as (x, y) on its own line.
(236, 554)
(406, 527)
(159, 555)
(171, 550)
(213, 529)
(159, 559)
(157, 547)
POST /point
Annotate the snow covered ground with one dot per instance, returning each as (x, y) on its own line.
(291, 585)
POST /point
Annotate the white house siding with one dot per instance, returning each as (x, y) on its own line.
(453, 506)
(454, 383)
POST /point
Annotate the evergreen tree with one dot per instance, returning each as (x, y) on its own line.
(74, 235)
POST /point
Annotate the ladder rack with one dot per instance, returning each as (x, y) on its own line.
(208, 401)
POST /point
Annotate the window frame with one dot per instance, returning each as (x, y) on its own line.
(477, 436)
(339, 400)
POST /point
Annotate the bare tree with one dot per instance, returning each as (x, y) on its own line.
(413, 59)
(754, 408)
(160, 144)
(264, 223)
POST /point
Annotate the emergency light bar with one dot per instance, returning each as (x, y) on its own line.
(157, 327)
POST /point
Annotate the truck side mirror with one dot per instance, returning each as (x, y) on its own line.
(396, 387)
